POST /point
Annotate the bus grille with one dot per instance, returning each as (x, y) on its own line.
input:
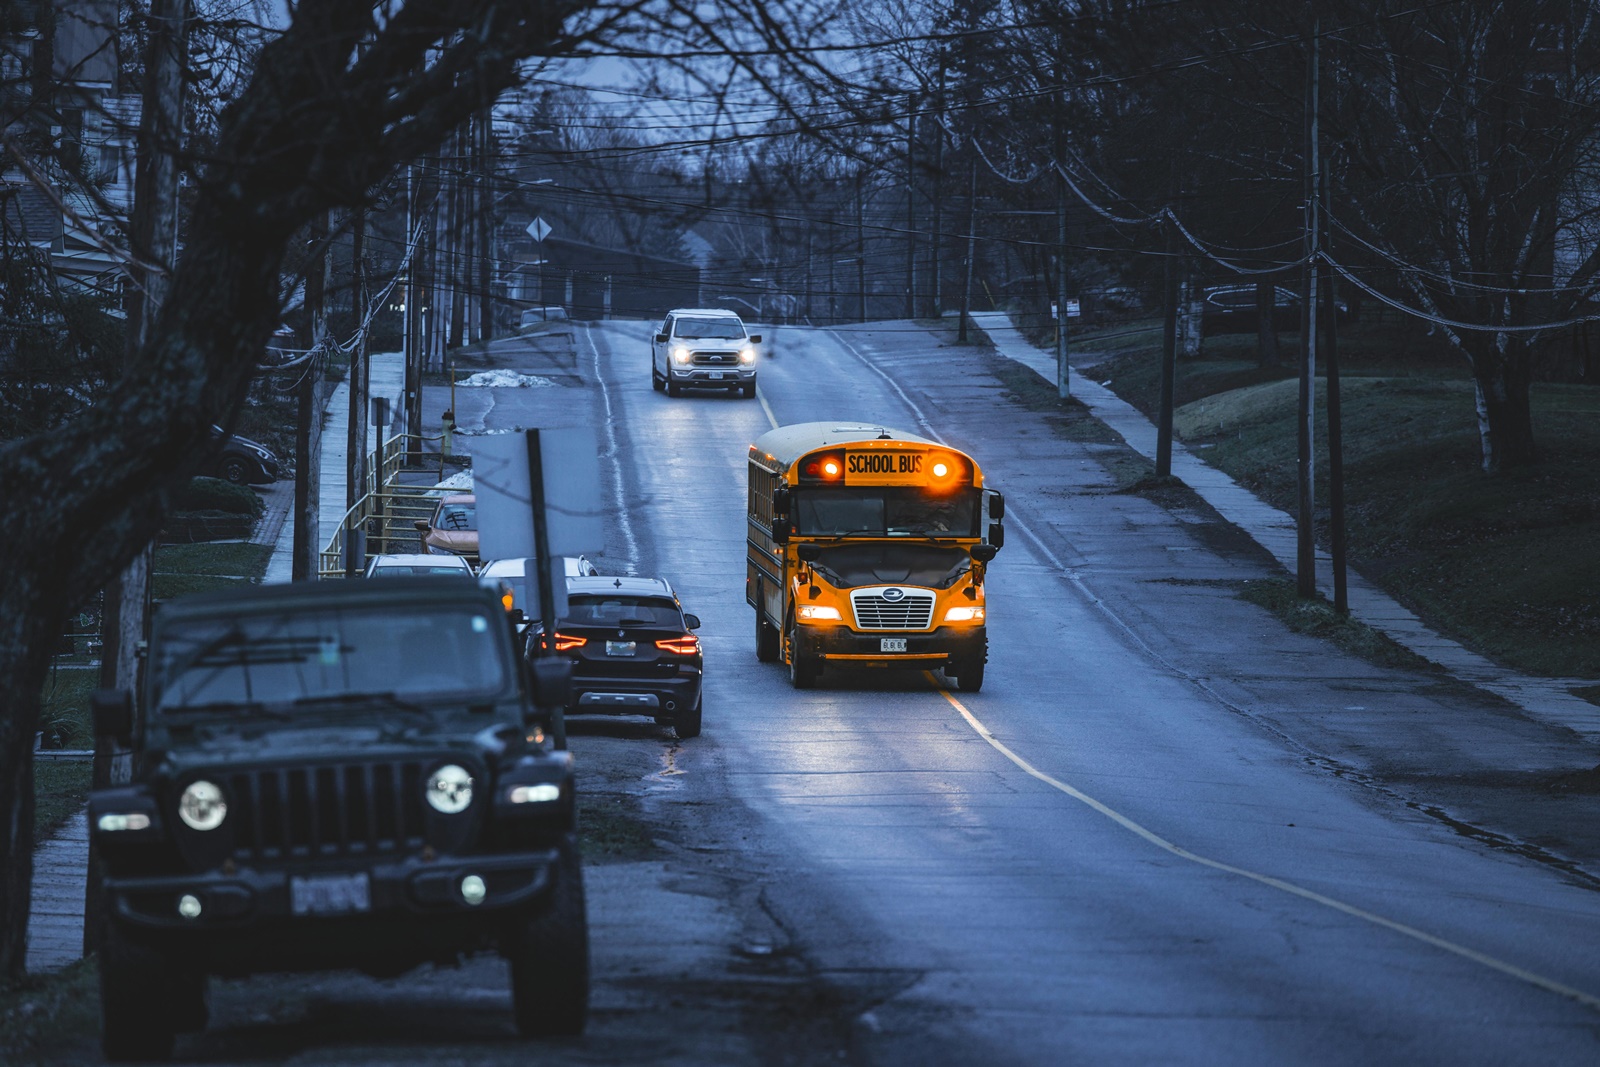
(330, 810)
(874, 612)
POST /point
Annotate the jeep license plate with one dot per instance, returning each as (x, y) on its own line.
(620, 648)
(330, 894)
(891, 644)
(715, 376)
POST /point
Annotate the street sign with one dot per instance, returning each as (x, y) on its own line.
(570, 460)
(538, 229)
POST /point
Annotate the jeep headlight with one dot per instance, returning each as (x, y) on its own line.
(681, 356)
(202, 807)
(449, 789)
(747, 355)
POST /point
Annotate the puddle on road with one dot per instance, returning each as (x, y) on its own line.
(664, 778)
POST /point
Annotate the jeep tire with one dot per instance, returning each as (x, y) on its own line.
(549, 956)
(144, 999)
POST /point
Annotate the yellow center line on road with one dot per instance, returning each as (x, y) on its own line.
(1548, 984)
(767, 408)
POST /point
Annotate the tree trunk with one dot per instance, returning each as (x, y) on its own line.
(1266, 325)
(1502, 382)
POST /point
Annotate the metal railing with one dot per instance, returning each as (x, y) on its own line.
(384, 519)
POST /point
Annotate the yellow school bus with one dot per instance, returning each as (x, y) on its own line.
(867, 547)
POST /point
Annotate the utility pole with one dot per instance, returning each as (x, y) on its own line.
(1330, 346)
(972, 248)
(308, 422)
(937, 280)
(861, 247)
(1063, 386)
(459, 274)
(808, 277)
(125, 613)
(1169, 351)
(911, 208)
(355, 485)
(486, 229)
(1306, 545)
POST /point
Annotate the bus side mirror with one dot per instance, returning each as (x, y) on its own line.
(112, 712)
(809, 552)
(997, 536)
(781, 531)
(781, 526)
(997, 506)
(984, 553)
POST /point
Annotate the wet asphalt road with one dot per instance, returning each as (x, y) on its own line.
(1123, 850)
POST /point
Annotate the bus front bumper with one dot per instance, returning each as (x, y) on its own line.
(840, 644)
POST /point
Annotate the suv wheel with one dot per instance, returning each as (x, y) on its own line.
(143, 997)
(687, 724)
(549, 957)
(235, 470)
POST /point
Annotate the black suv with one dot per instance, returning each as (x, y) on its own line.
(333, 775)
(633, 651)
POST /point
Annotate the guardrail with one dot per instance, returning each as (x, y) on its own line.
(386, 514)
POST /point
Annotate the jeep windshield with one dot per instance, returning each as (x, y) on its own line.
(310, 661)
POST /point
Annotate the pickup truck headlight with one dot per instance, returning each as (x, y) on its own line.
(202, 807)
(449, 789)
(681, 356)
(964, 615)
(818, 613)
(747, 356)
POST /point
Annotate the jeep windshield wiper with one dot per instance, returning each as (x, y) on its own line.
(243, 709)
(387, 699)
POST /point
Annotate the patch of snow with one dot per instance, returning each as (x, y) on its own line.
(505, 379)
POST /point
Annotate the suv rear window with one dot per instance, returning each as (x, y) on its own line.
(623, 610)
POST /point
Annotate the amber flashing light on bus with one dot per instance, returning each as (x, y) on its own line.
(828, 468)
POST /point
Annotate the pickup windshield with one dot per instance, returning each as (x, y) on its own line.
(888, 512)
(305, 659)
(710, 329)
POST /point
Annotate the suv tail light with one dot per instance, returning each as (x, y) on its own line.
(687, 645)
(564, 642)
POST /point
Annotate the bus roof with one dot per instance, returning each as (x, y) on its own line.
(786, 444)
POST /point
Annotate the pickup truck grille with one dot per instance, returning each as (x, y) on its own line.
(716, 359)
(327, 810)
(874, 611)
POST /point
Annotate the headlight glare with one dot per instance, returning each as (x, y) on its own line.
(202, 807)
(680, 355)
(113, 822)
(747, 355)
(542, 793)
(818, 612)
(449, 789)
(964, 615)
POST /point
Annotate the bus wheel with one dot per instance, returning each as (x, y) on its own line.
(802, 668)
(766, 639)
(970, 679)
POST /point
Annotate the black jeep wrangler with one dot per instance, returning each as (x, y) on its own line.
(333, 775)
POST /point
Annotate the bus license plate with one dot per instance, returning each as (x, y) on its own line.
(891, 644)
(620, 648)
(330, 894)
(715, 376)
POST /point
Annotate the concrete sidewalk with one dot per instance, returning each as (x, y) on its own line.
(388, 379)
(1546, 699)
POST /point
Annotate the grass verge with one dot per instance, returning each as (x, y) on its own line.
(1504, 564)
(48, 1018)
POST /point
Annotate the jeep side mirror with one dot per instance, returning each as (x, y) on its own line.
(754, 338)
(112, 711)
(984, 553)
(661, 338)
(997, 506)
(693, 621)
(809, 552)
(550, 678)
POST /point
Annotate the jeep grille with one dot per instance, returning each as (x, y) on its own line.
(328, 810)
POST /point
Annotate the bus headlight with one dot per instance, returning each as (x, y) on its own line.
(973, 614)
(681, 356)
(818, 613)
(747, 355)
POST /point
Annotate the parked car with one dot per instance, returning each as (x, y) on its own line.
(1232, 309)
(512, 575)
(240, 460)
(405, 565)
(453, 529)
(703, 348)
(535, 316)
(633, 651)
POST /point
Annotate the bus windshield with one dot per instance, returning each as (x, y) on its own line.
(885, 512)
